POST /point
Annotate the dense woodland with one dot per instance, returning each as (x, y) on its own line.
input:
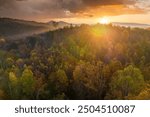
(77, 62)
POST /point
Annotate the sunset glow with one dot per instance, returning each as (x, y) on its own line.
(74, 11)
(104, 20)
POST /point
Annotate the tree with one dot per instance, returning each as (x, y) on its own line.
(83, 85)
(90, 80)
(126, 82)
(13, 86)
(58, 83)
(115, 65)
(20, 63)
(27, 82)
(9, 62)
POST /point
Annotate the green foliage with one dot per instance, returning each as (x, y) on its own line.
(126, 82)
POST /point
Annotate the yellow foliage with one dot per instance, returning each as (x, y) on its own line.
(12, 77)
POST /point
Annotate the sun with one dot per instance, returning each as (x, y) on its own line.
(104, 20)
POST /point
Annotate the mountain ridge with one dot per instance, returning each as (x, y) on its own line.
(16, 28)
(132, 25)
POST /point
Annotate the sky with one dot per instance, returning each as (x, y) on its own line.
(77, 11)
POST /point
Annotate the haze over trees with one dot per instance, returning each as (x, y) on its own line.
(14, 29)
(81, 62)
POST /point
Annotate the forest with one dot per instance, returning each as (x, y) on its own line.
(86, 62)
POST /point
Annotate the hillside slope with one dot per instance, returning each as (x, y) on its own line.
(13, 28)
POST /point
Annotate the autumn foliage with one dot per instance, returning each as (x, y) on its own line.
(81, 62)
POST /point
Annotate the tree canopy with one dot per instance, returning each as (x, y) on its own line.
(80, 62)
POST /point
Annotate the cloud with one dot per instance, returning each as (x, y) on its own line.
(97, 8)
(40, 9)
(81, 5)
(9, 3)
(108, 2)
(4, 3)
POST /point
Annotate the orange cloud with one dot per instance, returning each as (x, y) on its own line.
(109, 10)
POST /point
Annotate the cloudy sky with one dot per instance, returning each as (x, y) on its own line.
(77, 11)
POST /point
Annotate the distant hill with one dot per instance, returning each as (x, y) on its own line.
(132, 25)
(14, 28)
(60, 24)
